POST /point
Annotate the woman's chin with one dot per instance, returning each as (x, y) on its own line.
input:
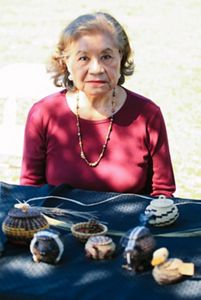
(97, 89)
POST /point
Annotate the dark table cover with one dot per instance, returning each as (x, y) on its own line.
(78, 277)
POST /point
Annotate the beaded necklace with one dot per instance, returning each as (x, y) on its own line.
(107, 138)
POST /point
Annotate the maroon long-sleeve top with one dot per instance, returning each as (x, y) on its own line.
(137, 158)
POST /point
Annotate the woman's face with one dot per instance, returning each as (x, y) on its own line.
(94, 64)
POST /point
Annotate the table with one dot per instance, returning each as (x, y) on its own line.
(78, 277)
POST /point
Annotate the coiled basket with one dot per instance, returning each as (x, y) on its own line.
(19, 226)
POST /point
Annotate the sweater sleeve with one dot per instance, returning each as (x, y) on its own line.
(162, 180)
(34, 151)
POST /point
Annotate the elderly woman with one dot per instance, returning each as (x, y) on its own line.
(95, 134)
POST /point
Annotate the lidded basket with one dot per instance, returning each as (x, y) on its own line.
(162, 212)
(22, 222)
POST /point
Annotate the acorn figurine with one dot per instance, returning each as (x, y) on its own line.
(139, 245)
(100, 247)
(167, 271)
(22, 222)
(161, 212)
(46, 246)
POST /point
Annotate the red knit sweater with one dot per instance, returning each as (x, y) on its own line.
(136, 160)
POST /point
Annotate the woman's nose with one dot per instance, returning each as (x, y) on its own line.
(95, 67)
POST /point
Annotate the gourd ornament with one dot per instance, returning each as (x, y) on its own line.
(100, 247)
(167, 271)
(22, 222)
(161, 212)
(139, 245)
(47, 246)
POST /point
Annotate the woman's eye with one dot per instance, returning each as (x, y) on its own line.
(106, 57)
(83, 58)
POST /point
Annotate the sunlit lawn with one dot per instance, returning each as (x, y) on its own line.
(165, 35)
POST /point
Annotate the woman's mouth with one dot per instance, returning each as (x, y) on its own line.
(96, 81)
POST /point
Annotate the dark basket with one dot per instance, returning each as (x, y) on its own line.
(19, 226)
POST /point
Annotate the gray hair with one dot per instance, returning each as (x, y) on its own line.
(84, 24)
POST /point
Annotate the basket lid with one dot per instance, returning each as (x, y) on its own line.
(18, 213)
(100, 240)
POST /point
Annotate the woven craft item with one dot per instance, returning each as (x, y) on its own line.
(85, 230)
(19, 226)
(139, 245)
(166, 273)
(162, 212)
(169, 270)
(100, 247)
(47, 246)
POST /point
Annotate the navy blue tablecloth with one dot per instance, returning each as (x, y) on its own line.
(78, 277)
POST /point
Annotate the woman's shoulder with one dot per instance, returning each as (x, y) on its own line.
(50, 100)
(139, 105)
(44, 109)
(140, 101)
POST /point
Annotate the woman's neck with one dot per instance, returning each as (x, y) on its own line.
(96, 107)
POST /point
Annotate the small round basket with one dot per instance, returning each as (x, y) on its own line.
(83, 231)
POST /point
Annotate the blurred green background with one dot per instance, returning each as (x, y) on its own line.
(165, 36)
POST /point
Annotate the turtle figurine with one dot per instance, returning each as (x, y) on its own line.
(46, 246)
(100, 247)
(169, 270)
(139, 245)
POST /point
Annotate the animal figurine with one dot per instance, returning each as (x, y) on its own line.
(167, 271)
(161, 212)
(99, 247)
(139, 245)
(46, 246)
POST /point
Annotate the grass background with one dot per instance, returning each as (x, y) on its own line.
(165, 36)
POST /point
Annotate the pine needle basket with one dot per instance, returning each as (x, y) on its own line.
(82, 231)
(19, 226)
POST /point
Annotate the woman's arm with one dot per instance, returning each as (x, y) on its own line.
(163, 182)
(34, 152)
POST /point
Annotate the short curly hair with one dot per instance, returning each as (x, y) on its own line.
(84, 24)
